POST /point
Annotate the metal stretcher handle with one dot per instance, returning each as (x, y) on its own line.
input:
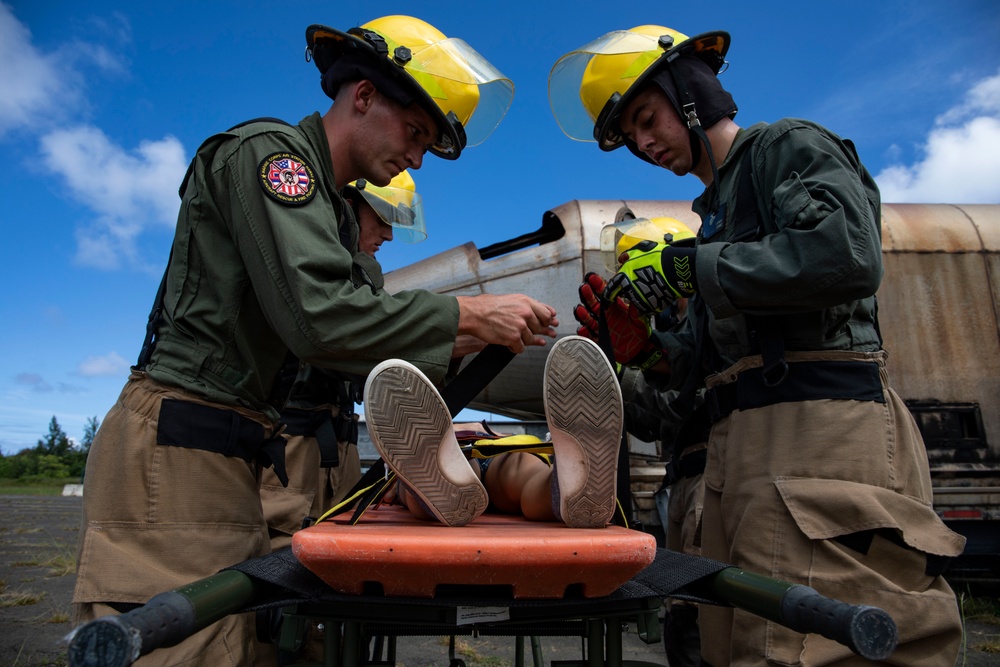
(169, 618)
(166, 620)
(868, 631)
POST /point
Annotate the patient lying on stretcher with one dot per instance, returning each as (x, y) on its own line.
(411, 428)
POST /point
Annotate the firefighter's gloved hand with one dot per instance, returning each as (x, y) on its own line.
(631, 335)
(588, 311)
(653, 276)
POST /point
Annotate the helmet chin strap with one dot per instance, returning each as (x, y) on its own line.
(689, 114)
(695, 149)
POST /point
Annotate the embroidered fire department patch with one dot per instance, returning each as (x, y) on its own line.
(287, 178)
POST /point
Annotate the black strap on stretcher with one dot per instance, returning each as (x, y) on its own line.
(866, 630)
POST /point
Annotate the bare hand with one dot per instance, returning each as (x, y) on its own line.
(512, 320)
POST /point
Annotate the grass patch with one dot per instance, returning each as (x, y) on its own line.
(465, 649)
(58, 617)
(982, 610)
(22, 599)
(61, 565)
(34, 487)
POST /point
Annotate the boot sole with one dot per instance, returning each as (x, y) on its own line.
(411, 429)
(583, 407)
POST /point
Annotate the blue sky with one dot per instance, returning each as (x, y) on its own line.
(103, 104)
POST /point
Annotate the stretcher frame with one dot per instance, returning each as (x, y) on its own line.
(351, 627)
(279, 582)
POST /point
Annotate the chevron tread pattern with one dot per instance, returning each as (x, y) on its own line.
(583, 401)
(408, 423)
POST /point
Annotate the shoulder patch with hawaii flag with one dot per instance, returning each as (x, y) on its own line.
(287, 178)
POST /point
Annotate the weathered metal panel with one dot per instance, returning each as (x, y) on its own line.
(940, 329)
(550, 273)
(938, 305)
(938, 300)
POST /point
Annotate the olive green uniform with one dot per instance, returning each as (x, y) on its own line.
(320, 408)
(255, 272)
(822, 478)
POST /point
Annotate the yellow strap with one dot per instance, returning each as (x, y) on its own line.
(346, 502)
(510, 440)
(488, 448)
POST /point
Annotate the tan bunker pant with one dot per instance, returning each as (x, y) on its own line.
(158, 517)
(787, 487)
(311, 489)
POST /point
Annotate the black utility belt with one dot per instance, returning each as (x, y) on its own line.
(684, 467)
(805, 381)
(226, 432)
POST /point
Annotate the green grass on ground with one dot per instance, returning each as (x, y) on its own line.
(34, 487)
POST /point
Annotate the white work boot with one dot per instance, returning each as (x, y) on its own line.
(411, 429)
(583, 407)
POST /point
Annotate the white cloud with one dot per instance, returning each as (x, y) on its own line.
(110, 364)
(961, 157)
(29, 80)
(129, 190)
(38, 88)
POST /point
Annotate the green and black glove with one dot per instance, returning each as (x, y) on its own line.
(653, 276)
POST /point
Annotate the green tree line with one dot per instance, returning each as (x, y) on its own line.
(54, 457)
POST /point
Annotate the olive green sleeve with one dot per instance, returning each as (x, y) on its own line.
(823, 245)
(302, 276)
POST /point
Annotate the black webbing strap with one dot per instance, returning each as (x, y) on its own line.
(320, 425)
(807, 381)
(475, 377)
(227, 432)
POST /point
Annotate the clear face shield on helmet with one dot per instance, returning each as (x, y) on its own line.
(620, 236)
(398, 205)
(583, 81)
(461, 81)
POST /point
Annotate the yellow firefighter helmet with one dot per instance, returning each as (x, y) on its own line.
(589, 87)
(397, 204)
(625, 234)
(410, 60)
